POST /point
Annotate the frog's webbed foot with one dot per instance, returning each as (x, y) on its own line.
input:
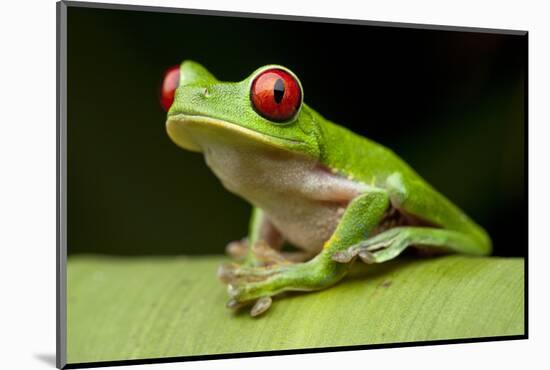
(263, 253)
(260, 306)
(267, 256)
(237, 249)
(256, 285)
(262, 263)
(239, 277)
(380, 248)
(232, 273)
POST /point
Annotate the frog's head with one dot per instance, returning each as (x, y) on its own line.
(264, 110)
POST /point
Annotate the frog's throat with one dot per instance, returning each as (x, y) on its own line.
(182, 130)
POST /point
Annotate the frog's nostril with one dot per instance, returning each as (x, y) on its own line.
(170, 83)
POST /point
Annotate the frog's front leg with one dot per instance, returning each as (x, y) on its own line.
(262, 246)
(361, 216)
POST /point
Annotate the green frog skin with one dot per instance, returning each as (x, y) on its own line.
(334, 195)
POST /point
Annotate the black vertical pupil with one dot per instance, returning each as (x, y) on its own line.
(279, 90)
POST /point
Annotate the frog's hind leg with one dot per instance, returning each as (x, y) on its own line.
(426, 219)
(390, 243)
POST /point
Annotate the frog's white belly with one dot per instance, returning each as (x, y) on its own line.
(306, 224)
(301, 199)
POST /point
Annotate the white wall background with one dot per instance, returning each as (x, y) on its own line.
(27, 182)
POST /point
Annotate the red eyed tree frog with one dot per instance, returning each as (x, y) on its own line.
(329, 192)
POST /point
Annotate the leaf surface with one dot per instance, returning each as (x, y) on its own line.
(122, 308)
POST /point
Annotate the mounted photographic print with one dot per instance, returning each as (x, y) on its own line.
(235, 184)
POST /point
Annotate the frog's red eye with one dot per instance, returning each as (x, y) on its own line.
(170, 83)
(276, 95)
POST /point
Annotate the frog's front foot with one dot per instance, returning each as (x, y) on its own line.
(247, 285)
(232, 273)
(237, 249)
(263, 254)
(239, 280)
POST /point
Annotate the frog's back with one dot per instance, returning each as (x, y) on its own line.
(357, 157)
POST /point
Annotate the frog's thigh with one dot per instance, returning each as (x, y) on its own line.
(424, 202)
(455, 232)
(362, 215)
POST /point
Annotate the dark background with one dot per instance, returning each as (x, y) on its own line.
(450, 103)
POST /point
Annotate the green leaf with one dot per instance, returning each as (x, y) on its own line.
(136, 307)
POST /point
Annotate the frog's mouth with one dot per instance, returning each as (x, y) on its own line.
(194, 132)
